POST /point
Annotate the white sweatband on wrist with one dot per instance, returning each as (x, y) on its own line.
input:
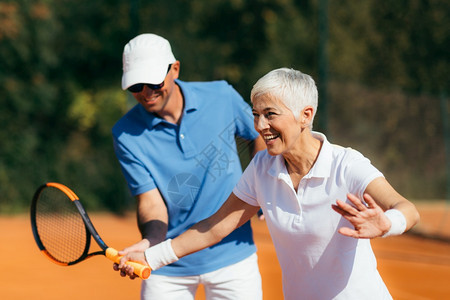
(160, 255)
(398, 222)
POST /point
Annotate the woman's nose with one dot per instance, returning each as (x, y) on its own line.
(262, 123)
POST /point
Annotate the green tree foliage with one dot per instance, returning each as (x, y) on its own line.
(60, 69)
(57, 101)
(390, 64)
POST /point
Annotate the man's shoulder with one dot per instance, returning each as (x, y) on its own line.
(128, 121)
(206, 86)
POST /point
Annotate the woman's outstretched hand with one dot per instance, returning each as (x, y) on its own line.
(369, 220)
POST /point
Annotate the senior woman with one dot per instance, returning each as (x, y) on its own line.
(322, 202)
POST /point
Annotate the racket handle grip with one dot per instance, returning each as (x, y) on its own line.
(139, 269)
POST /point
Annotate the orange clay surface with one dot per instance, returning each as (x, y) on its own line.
(413, 267)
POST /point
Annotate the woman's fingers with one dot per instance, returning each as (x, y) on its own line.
(358, 203)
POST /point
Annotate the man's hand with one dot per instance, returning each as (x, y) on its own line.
(260, 215)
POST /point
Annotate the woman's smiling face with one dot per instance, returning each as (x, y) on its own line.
(276, 124)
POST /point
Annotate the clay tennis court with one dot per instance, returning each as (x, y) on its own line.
(413, 267)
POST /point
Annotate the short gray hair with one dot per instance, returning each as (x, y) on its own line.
(294, 88)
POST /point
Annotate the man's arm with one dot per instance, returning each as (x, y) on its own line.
(152, 216)
(258, 145)
(152, 219)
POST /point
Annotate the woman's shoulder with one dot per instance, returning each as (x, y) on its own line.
(346, 153)
(263, 161)
(263, 156)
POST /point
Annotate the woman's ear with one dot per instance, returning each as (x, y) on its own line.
(307, 116)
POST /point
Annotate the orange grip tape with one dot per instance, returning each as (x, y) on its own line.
(139, 269)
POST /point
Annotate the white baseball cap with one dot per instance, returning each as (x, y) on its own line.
(146, 59)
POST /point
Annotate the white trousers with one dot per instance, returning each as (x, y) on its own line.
(240, 281)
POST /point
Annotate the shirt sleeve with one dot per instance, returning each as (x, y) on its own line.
(243, 116)
(136, 174)
(359, 172)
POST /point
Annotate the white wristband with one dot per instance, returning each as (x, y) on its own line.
(398, 222)
(160, 255)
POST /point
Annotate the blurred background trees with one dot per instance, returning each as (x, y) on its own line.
(60, 69)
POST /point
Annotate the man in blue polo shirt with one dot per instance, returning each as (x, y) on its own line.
(178, 153)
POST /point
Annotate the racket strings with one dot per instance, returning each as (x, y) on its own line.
(60, 226)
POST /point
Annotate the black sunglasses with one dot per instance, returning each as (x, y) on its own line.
(138, 87)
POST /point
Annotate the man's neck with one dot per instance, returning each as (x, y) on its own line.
(173, 110)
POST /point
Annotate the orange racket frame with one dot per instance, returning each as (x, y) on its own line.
(139, 269)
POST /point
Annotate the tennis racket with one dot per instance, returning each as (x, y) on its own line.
(62, 228)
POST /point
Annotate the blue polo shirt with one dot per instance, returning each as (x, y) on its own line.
(194, 165)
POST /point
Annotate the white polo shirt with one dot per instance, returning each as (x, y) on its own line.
(316, 261)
